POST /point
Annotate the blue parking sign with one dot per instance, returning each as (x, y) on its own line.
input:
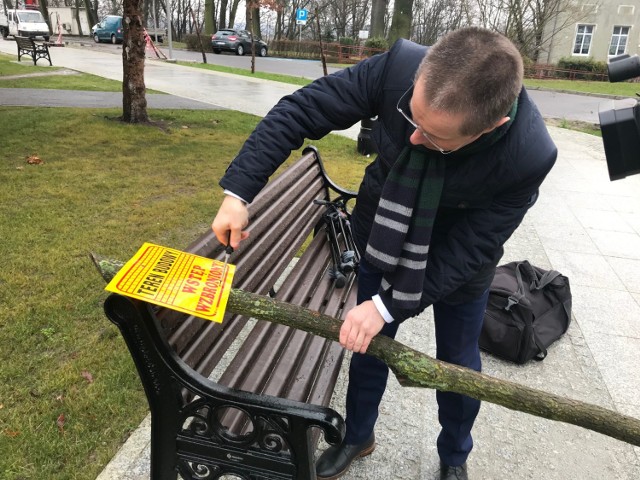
(301, 15)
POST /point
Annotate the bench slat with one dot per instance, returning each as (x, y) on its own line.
(195, 341)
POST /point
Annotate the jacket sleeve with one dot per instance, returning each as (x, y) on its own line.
(330, 103)
(473, 241)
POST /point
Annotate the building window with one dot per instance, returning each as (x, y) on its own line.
(584, 34)
(619, 40)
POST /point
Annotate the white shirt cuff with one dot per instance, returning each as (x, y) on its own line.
(382, 309)
(231, 194)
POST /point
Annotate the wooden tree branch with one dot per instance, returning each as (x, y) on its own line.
(415, 369)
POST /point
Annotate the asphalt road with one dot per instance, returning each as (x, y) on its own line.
(311, 69)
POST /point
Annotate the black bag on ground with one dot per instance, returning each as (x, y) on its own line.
(529, 308)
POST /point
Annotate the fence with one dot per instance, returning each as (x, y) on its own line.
(541, 71)
(334, 52)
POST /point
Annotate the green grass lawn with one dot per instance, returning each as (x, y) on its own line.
(9, 66)
(624, 89)
(247, 73)
(103, 187)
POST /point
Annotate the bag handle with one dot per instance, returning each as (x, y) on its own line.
(519, 294)
(544, 280)
(536, 283)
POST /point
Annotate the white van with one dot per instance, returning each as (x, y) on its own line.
(27, 23)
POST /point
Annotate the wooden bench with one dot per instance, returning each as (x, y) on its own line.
(27, 46)
(255, 420)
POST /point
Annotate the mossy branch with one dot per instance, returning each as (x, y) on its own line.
(415, 369)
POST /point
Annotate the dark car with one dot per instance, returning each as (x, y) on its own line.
(238, 41)
(109, 30)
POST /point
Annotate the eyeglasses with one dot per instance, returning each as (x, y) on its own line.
(417, 127)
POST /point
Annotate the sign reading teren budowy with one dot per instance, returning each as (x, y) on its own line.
(178, 280)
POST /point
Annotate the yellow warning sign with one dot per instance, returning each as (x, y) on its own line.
(178, 280)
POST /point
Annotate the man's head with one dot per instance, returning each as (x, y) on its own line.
(468, 80)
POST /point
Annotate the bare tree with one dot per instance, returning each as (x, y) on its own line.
(435, 18)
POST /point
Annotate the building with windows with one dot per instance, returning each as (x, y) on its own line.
(598, 30)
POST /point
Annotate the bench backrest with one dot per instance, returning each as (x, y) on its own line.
(282, 218)
(25, 43)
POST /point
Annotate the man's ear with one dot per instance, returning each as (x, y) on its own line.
(498, 124)
(502, 121)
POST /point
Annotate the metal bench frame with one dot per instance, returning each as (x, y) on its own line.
(27, 46)
(255, 421)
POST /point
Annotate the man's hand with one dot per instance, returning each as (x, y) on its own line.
(233, 217)
(361, 324)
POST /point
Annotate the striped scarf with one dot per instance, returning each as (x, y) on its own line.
(399, 240)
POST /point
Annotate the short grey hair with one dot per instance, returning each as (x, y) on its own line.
(473, 71)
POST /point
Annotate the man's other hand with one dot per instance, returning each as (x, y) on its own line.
(361, 324)
(233, 217)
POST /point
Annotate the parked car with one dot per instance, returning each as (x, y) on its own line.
(238, 41)
(109, 30)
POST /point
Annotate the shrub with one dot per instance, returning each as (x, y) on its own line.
(379, 43)
(594, 69)
(191, 41)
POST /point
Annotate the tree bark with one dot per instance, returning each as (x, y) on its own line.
(378, 11)
(415, 369)
(92, 19)
(76, 14)
(401, 22)
(134, 101)
(210, 26)
(44, 9)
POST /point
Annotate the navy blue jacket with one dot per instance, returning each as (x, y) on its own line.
(486, 194)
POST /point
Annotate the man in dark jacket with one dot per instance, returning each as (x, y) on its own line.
(462, 153)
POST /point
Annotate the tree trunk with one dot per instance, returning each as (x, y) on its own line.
(44, 9)
(210, 26)
(223, 14)
(378, 11)
(134, 102)
(232, 13)
(415, 369)
(401, 22)
(91, 18)
(77, 17)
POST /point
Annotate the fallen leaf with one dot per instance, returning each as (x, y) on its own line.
(19, 168)
(34, 160)
(11, 433)
(60, 397)
(60, 423)
(185, 127)
(87, 376)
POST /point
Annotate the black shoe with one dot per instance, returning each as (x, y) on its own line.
(453, 473)
(336, 460)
